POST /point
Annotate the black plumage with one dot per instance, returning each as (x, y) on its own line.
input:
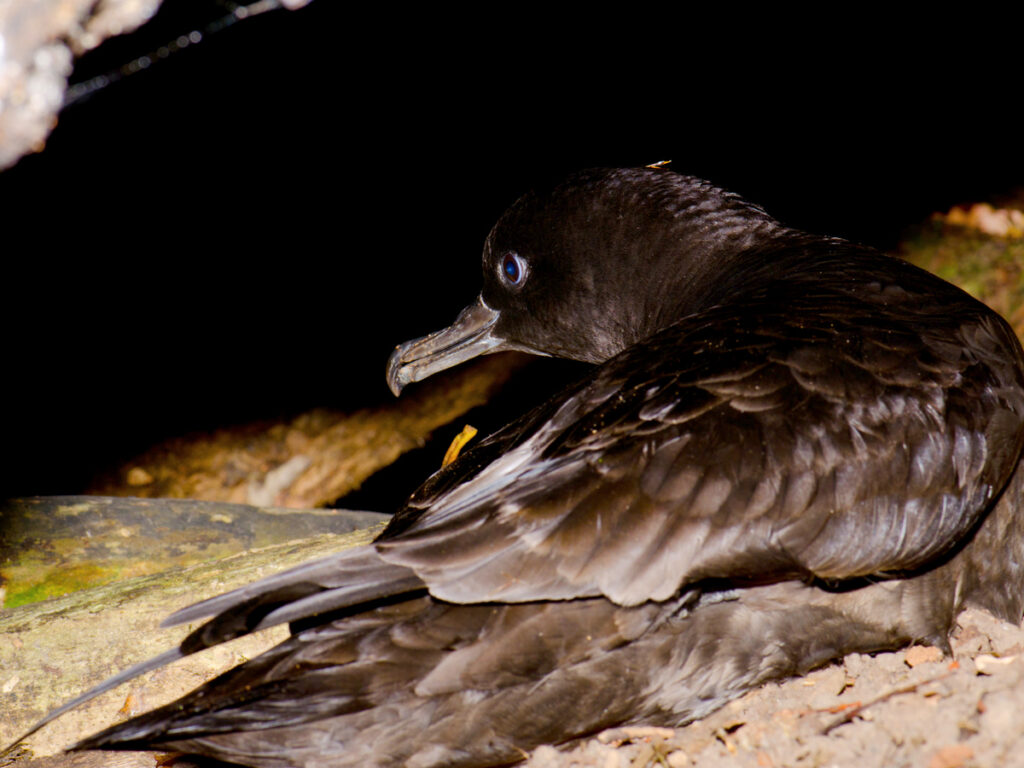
(790, 448)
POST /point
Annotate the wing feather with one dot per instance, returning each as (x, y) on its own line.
(814, 436)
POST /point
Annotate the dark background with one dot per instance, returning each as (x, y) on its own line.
(246, 229)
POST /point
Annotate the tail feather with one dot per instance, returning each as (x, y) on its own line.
(360, 568)
(107, 685)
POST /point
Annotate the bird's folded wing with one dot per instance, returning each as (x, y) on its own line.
(813, 437)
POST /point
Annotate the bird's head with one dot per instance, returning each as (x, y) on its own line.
(588, 267)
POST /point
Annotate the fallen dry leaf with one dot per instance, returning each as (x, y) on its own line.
(952, 756)
(921, 654)
(1002, 222)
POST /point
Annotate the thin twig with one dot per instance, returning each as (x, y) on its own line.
(854, 711)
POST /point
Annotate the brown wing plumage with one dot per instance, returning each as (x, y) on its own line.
(812, 436)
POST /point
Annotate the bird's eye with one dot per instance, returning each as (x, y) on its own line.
(513, 268)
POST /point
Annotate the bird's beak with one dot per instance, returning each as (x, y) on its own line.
(471, 334)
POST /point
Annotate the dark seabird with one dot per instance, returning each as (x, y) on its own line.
(789, 448)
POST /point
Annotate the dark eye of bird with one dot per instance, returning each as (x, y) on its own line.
(513, 268)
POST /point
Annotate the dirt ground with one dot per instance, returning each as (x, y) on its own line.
(909, 708)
